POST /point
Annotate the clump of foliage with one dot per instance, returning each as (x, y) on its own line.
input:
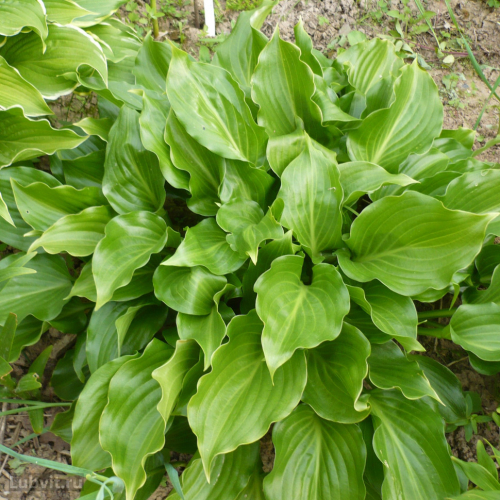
(240, 5)
(252, 241)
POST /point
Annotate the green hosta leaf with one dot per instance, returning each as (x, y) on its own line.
(208, 330)
(494, 227)
(248, 225)
(72, 318)
(61, 425)
(370, 62)
(151, 64)
(117, 40)
(91, 144)
(237, 402)
(363, 321)
(453, 149)
(482, 367)
(7, 334)
(282, 150)
(388, 136)
(76, 234)
(247, 183)
(102, 343)
(205, 169)
(304, 42)
(212, 108)
(41, 294)
(478, 495)
(189, 388)
(171, 375)
(86, 450)
(390, 368)
(131, 428)
(232, 472)
(267, 254)
(476, 327)
(239, 53)
(436, 185)
(70, 52)
(491, 294)
(332, 114)
(132, 178)
(63, 11)
(12, 266)
(419, 167)
(141, 283)
(94, 126)
(374, 472)
(425, 165)
(121, 87)
(4, 212)
(487, 261)
(336, 470)
(335, 374)
(139, 324)
(180, 437)
(391, 313)
(205, 245)
(361, 177)
(85, 171)
(464, 136)
(23, 139)
(100, 9)
(426, 246)
(254, 488)
(19, 14)
(41, 205)
(128, 244)
(447, 387)
(432, 295)
(297, 315)
(17, 92)
(282, 85)
(189, 290)
(379, 96)
(475, 192)
(409, 440)
(155, 111)
(312, 194)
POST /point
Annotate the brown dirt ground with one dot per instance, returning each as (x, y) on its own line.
(480, 23)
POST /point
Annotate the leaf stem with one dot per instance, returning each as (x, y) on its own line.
(436, 313)
(438, 333)
(156, 28)
(351, 210)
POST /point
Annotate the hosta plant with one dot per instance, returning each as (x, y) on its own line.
(249, 245)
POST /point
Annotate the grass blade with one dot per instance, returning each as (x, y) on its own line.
(483, 109)
(32, 408)
(472, 58)
(174, 479)
(422, 13)
(488, 145)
